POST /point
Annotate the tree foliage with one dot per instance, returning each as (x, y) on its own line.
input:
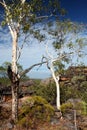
(20, 16)
(68, 41)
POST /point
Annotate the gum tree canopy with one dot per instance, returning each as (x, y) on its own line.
(69, 42)
(20, 16)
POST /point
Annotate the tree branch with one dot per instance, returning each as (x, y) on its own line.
(3, 4)
(31, 67)
(20, 48)
(10, 23)
(46, 16)
(47, 61)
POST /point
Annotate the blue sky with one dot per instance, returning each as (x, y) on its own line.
(77, 11)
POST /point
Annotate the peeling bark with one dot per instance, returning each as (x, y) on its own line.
(15, 90)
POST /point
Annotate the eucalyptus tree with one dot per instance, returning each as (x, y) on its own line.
(20, 16)
(68, 42)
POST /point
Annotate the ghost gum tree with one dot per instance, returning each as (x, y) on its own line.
(20, 16)
(69, 44)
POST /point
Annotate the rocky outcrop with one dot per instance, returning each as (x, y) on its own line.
(5, 91)
(27, 83)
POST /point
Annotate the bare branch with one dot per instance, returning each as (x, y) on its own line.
(31, 67)
(1, 3)
(62, 56)
(23, 1)
(10, 23)
(46, 16)
(20, 49)
(48, 53)
(46, 61)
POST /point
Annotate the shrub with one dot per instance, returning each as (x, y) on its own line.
(35, 110)
(67, 92)
(81, 108)
(47, 91)
(75, 104)
(65, 107)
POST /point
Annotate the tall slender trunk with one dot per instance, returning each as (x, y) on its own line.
(58, 94)
(56, 79)
(15, 90)
(14, 53)
(15, 80)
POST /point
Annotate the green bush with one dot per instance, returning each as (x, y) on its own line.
(73, 90)
(75, 104)
(81, 108)
(47, 91)
(65, 107)
(78, 79)
(68, 91)
(35, 110)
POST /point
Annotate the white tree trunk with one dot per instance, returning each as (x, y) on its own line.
(56, 79)
(58, 95)
(15, 83)
(14, 54)
(15, 88)
(14, 79)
